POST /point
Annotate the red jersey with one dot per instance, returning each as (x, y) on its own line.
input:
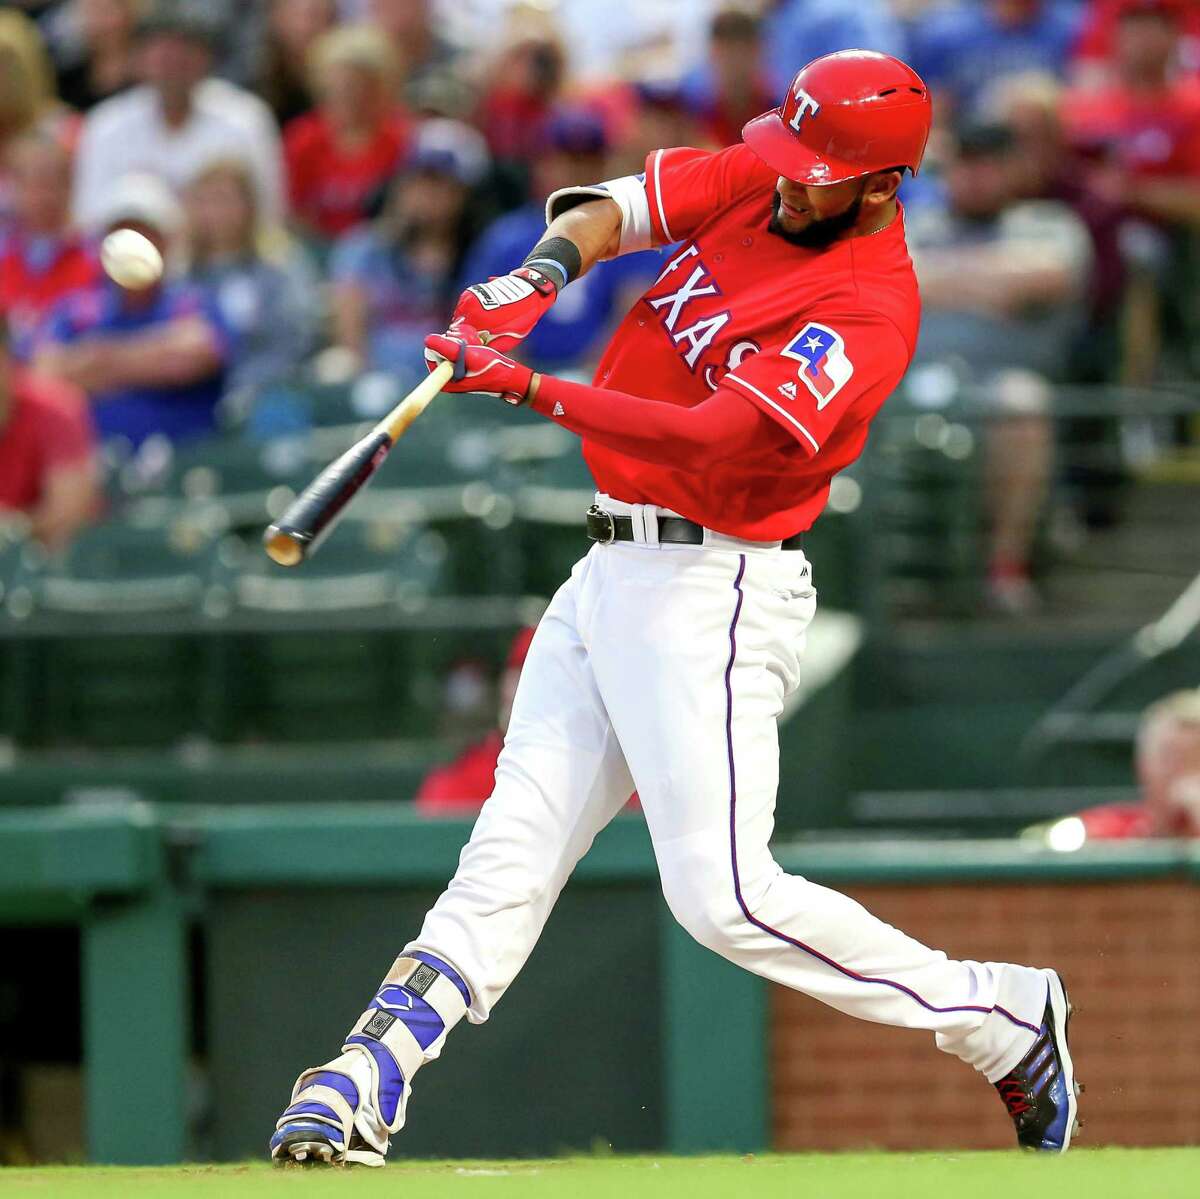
(816, 339)
(47, 428)
(1097, 38)
(462, 785)
(35, 273)
(1156, 134)
(331, 188)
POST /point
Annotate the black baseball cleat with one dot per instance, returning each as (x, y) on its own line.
(1041, 1093)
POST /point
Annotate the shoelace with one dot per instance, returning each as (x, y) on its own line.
(1016, 1098)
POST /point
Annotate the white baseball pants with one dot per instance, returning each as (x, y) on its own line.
(666, 667)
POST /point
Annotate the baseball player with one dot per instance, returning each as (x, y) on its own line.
(739, 384)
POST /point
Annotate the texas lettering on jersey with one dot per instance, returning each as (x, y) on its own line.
(688, 279)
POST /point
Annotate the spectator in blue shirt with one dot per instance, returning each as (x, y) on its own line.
(264, 285)
(151, 361)
(962, 50)
(573, 332)
(393, 280)
(797, 31)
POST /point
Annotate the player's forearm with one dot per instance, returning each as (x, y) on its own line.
(594, 227)
(69, 502)
(185, 351)
(993, 285)
(349, 318)
(1175, 200)
(723, 427)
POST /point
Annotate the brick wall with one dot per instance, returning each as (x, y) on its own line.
(1130, 953)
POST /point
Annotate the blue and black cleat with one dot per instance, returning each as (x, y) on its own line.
(1041, 1093)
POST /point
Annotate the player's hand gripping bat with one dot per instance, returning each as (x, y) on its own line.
(311, 516)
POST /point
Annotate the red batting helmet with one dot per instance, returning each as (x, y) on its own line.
(845, 115)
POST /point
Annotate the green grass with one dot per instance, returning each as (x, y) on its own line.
(1087, 1174)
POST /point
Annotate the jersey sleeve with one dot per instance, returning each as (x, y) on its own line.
(684, 187)
(833, 369)
(678, 191)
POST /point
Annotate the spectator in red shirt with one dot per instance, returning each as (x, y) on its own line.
(1168, 772)
(41, 258)
(1095, 50)
(1145, 125)
(341, 156)
(659, 115)
(47, 453)
(735, 86)
(463, 785)
(527, 77)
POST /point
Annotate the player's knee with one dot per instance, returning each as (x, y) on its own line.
(703, 901)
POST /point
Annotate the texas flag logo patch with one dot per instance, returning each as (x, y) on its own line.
(826, 369)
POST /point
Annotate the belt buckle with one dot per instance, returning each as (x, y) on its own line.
(595, 512)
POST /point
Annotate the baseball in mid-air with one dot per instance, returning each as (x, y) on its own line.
(130, 259)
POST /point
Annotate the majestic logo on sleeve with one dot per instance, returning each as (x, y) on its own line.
(826, 369)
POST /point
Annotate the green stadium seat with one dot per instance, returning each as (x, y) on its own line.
(126, 569)
(109, 624)
(229, 482)
(554, 493)
(363, 564)
(17, 555)
(20, 559)
(356, 680)
(922, 513)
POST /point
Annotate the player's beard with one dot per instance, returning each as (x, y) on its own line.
(820, 232)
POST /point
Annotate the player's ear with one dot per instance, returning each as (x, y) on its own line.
(882, 186)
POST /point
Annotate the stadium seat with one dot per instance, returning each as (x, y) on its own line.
(229, 482)
(551, 499)
(110, 626)
(922, 511)
(20, 558)
(365, 563)
(126, 569)
(355, 680)
(17, 555)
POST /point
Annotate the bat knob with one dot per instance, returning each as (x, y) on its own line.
(283, 547)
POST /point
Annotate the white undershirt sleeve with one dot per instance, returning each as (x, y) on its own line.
(629, 193)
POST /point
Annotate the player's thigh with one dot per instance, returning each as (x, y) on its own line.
(709, 646)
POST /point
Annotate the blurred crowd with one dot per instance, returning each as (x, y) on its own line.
(322, 177)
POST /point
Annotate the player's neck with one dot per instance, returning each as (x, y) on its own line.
(876, 220)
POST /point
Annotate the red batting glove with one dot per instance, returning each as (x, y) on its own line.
(508, 307)
(477, 367)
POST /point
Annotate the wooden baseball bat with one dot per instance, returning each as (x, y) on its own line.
(311, 516)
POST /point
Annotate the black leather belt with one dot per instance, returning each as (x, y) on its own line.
(606, 528)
